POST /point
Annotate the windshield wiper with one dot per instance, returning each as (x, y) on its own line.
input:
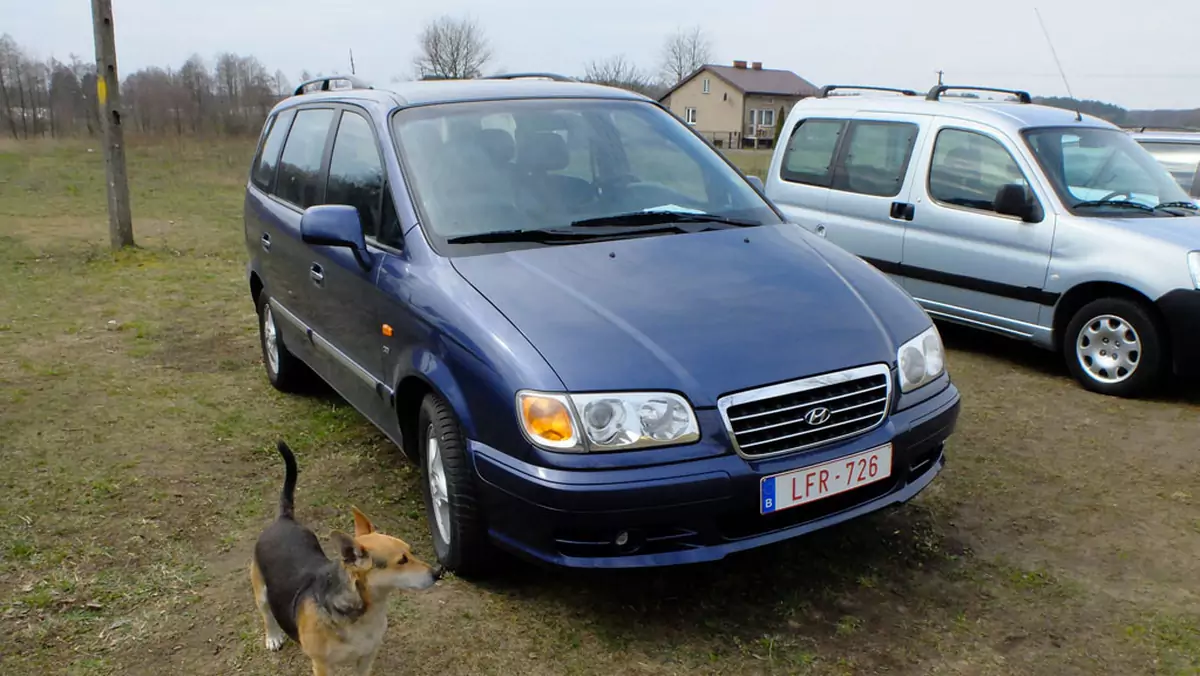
(1120, 204)
(638, 218)
(1177, 205)
(538, 236)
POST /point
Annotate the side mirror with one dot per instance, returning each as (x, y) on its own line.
(756, 182)
(335, 225)
(1015, 200)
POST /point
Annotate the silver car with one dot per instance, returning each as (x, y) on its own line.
(1033, 222)
(1179, 152)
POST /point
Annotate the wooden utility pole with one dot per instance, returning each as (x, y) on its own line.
(108, 98)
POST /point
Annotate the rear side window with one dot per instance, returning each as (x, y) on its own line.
(356, 172)
(969, 169)
(299, 179)
(810, 152)
(876, 157)
(263, 174)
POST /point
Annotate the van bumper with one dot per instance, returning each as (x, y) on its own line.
(701, 510)
(1181, 310)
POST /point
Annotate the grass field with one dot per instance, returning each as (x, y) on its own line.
(136, 467)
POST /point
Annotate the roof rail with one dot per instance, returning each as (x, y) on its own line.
(355, 83)
(828, 89)
(522, 76)
(937, 91)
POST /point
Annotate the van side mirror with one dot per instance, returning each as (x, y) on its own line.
(335, 225)
(756, 182)
(1015, 199)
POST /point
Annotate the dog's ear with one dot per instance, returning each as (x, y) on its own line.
(362, 525)
(347, 548)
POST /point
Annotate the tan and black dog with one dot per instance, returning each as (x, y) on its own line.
(336, 610)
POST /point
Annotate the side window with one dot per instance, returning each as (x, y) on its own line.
(969, 169)
(356, 172)
(876, 158)
(299, 179)
(263, 174)
(808, 157)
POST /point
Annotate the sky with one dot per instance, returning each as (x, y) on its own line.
(1135, 54)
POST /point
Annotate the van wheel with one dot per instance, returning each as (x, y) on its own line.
(451, 501)
(285, 372)
(1114, 346)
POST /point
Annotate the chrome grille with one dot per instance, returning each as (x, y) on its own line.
(806, 413)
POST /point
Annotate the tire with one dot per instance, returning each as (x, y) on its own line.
(459, 539)
(285, 372)
(1097, 348)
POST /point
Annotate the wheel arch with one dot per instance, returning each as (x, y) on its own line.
(427, 374)
(1082, 294)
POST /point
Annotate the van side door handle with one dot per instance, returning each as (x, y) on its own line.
(266, 241)
(903, 211)
(317, 274)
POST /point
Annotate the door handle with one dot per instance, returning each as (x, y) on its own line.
(317, 274)
(266, 242)
(903, 211)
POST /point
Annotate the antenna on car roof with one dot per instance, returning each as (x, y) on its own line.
(1078, 115)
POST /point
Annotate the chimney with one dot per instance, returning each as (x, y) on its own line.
(739, 64)
(757, 65)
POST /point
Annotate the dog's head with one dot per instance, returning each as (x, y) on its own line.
(380, 561)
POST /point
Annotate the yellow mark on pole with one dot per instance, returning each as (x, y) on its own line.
(101, 92)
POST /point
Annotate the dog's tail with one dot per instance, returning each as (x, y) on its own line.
(287, 497)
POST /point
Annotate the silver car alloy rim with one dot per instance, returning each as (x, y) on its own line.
(1108, 348)
(270, 339)
(437, 485)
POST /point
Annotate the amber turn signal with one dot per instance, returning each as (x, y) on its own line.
(547, 419)
(387, 330)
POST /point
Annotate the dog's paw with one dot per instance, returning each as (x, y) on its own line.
(275, 642)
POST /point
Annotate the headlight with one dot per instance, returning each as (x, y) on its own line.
(606, 422)
(1194, 266)
(921, 360)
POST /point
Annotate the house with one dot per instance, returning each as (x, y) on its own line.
(737, 106)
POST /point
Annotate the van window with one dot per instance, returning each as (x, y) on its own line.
(263, 174)
(808, 157)
(876, 158)
(969, 169)
(300, 166)
(356, 172)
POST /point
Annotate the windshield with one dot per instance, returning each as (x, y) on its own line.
(1097, 170)
(512, 166)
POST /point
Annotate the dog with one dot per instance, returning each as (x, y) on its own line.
(335, 610)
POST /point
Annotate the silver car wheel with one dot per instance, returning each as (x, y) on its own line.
(1108, 349)
(270, 339)
(440, 501)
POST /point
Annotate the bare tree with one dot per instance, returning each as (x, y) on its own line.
(455, 49)
(683, 53)
(617, 71)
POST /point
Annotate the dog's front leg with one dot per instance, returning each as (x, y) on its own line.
(363, 666)
(320, 668)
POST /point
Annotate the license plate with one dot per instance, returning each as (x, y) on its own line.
(802, 486)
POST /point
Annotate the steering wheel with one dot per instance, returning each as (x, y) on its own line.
(1115, 193)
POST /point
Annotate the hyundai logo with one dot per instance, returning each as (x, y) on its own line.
(817, 416)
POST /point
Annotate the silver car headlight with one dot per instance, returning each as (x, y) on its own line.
(921, 360)
(1194, 266)
(581, 423)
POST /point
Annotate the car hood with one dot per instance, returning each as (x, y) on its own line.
(1181, 230)
(703, 314)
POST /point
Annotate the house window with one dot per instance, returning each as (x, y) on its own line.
(706, 85)
(689, 115)
(766, 118)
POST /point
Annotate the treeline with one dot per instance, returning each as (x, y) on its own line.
(53, 98)
(1167, 119)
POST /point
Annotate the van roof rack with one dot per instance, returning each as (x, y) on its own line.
(522, 76)
(355, 83)
(828, 89)
(937, 91)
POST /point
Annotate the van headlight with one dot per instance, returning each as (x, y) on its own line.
(921, 360)
(1194, 266)
(581, 423)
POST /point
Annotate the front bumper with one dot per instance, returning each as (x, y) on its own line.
(1181, 310)
(701, 510)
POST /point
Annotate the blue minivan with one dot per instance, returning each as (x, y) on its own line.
(599, 341)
